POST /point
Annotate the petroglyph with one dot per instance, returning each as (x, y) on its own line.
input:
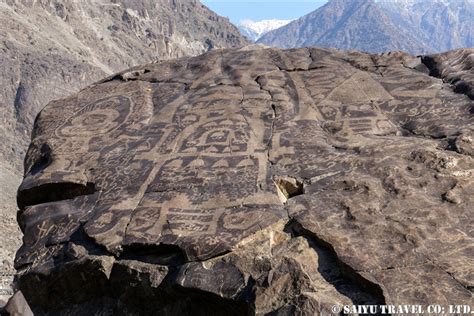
(323, 176)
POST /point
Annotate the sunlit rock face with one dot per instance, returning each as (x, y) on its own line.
(253, 181)
(50, 49)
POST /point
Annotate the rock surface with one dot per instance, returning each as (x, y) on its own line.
(253, 181)
(50, 49)
(18, 306)
(10, 234)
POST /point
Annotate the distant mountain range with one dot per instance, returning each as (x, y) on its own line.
(254, 30)
(415, 26)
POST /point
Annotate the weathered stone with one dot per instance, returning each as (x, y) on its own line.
(50, 49)
(252, 181)
(17, 306)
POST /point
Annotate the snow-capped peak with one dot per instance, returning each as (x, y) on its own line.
(253, 30)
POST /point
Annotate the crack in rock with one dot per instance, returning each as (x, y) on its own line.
(288, 187)
(345, 279)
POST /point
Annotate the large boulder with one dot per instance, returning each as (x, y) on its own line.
(253, 181)
(50, 49)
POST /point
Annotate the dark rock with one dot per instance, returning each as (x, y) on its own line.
(252, 181)
(454, 67)
(50, 49)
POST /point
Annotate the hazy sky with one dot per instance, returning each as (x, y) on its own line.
(262, 9)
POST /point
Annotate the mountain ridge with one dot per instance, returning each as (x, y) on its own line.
(378, 26)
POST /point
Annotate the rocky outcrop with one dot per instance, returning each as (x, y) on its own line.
(455, 68)
(252, 181)
(50, 49)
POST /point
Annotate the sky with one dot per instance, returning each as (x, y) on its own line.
(258, 10)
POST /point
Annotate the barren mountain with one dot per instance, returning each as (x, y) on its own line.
(50, 49)
(439, 24)
(253, 182)
(415, 26)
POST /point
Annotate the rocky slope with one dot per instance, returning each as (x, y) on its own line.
(254, 181)
(439, 24)
(50, 49)
(415, 26)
